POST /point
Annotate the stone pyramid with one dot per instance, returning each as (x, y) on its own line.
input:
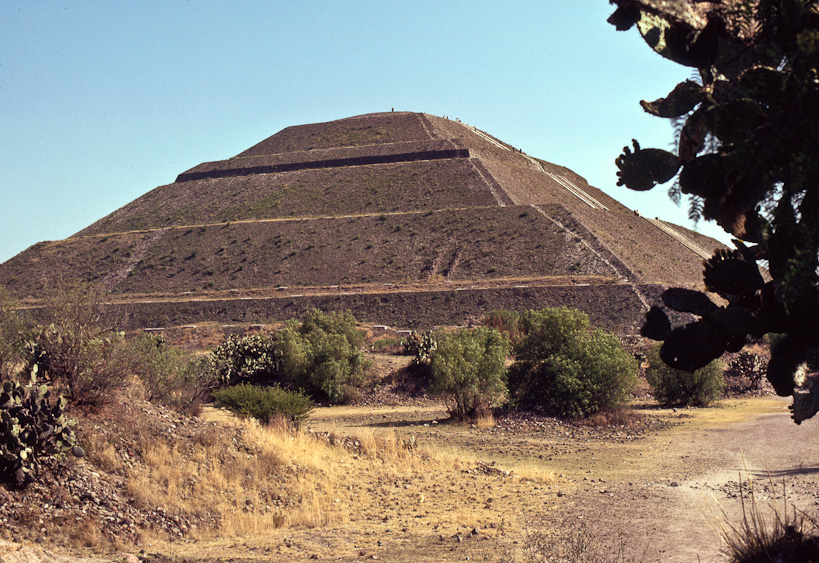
(406, 219)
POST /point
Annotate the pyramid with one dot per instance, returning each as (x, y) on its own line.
(405, 219)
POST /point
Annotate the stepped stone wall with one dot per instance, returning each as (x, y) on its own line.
(614, 307)
(406, 200)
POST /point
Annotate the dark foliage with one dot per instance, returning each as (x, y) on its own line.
(746, 157)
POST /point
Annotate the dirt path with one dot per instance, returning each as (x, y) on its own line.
(670, 504)
(666, 490)
(662, 485)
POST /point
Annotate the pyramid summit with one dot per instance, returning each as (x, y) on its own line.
(403, 218)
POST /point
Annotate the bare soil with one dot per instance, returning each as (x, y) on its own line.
(663, 479)
(665, 484)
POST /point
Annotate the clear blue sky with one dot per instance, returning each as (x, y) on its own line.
(102, 101)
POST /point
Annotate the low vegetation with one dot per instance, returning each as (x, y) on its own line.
(469, 372)
(508, 322)
(769, 533)
(266, 472)
(78, 346)
(265, 404)
(169, 376)
(251, 359)
(678, 387)
(12, 335)
(564, 367)
(33, 429)
(420, 346)
(230, 478)
(323, 355)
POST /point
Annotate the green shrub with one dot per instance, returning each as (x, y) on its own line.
(250, 359)
(566, 368)
(342, 323)
(469, 372)
(265, 403)
(675, 386)
(322, 355)
(167, 374)
(32, 428)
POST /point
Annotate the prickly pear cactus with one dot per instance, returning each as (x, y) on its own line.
(420, 346)
(32, 428)
(805, 401)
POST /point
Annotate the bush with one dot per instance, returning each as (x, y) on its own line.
(12, 336)
(567, 369)
(32, 428)
(265, 404)
(747, 366)
(469, 372)
(342, 323)
(250, 359)
(77, 347)
(674, 386)
(322, 355)
(167, 374)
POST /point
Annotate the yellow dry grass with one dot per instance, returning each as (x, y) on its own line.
(277, 478)
(245, 485)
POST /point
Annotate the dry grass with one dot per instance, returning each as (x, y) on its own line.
(485, 421)
(766, 533)
(274, 478)
(236, 484)
(86, 534)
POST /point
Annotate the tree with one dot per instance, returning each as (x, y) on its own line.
(469, 371)
(322, 354)
(700, 387)
(563, 366)
(747, 140)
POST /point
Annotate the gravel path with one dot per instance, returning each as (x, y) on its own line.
(670, 508)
